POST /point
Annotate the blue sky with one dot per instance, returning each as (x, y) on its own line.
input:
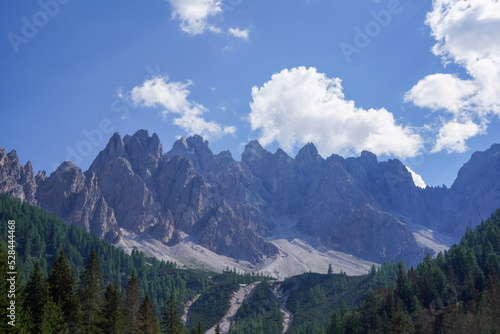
(413, 80)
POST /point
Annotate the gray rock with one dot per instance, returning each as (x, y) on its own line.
(356, 205)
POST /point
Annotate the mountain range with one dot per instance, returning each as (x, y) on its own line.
(266, 211)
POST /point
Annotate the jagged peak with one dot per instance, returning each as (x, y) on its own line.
(253, 147)
(189, 146)
(42, 174)
(143, 142)
(368, 157)
(308, 153)
(142, 134)
(254, 144)
(253, 151)
(197, 143)
(281, 154)
(13, 156)
(28, 167)
(115, 144)
(181, 144)
(225, 155)
(66, 166)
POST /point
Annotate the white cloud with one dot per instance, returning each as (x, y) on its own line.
(194, 14)
(429, 93)
(300, 105)
(467, 33)
(236, 32)
(172, 96)
(453, 134)
(417, 179)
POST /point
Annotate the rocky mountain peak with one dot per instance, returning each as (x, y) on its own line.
(115, 146)
(141, 144)
(66, 167)
(225, 156)
(253, 152)
(15, 180)
(68, 177)
(196, 149)
(487, 161)
(282, 155)
(368, 158)
(308, 154)
(13, 158)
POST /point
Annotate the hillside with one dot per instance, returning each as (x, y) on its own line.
(40, 237)
(457, 292)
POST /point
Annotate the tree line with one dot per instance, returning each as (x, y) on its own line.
(61, 303)
(457, 292)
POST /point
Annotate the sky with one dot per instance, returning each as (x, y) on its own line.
(417, 81)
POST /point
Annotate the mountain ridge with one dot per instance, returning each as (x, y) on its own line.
(234, 208)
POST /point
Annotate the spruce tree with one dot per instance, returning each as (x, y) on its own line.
(53, 319)
(62, 288)
(147, 320)
(89, 295)
(132, 303)
(199, 328)
(36, 295)
(112, 321)
(170, 322)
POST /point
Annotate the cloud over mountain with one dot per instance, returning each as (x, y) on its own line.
(301, 105)
(173, 97)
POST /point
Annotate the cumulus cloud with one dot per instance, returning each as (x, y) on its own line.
(300, 105)
(467, 33)
(453, 135)
(173, 97)
(429, 93)
(194, 14)
(239, 33)
(417, 179)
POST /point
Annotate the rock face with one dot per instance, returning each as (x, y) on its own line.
(77, 199)
(355, 205)
(15, 180)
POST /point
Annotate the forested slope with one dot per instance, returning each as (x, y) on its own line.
(457, 292)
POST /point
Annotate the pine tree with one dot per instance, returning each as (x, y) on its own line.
(217, 329)
(132, 303)
(62, 288)
(89, 295)
(330, 269)
(147, 320)
(112, 321)
(170, 322)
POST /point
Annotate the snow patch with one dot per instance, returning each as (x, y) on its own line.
(417, 179)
